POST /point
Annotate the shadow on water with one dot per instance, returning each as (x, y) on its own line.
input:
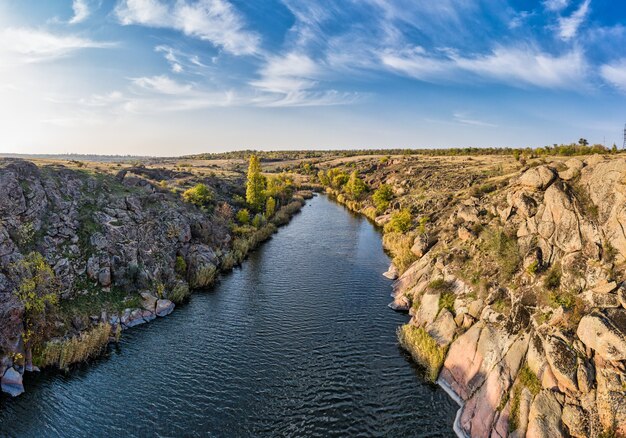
(299, 341)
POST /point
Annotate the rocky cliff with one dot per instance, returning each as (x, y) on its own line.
(84, 254)
(515, 283)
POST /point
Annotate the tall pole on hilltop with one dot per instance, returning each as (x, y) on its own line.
(624, 145)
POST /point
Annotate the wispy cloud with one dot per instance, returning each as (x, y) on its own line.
(615, 74)
(517, 66)
(81, 11)
(34, 45)
(522, 66)
(568, 26)
(555, 5)
(216, 21)
(465, 118)
(292, 79)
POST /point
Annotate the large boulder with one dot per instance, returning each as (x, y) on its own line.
(12, 382)
(164, 307)
(443, 328)
(429, 308)
(563, 362)
(605, 332)
(544, 420)
(538, 178)
(611, 397)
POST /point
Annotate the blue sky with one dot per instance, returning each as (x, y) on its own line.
(162, 77)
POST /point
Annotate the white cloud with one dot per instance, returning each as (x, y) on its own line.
(291, 80)
(416, 63)
(288, 73)
(81, 11)
(528, 66)
(555, 5)
(163, 85)
(615, 74)
(216, 21)
(517, 66)
(36, 45)
(568, 26)
(466, 119)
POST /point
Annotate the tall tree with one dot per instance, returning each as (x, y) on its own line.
(255, 185)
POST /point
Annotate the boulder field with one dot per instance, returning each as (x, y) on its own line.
(534, 325)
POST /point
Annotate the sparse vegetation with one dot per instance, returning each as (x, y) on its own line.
(199, 195)
(552, 280)
(401, 222)
(504, 250)
(65, 352)
(423, 348)
(382, 198)
(399, 245)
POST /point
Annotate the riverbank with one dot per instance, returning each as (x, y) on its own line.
(506, 269)
(297, 341)
(87, 254)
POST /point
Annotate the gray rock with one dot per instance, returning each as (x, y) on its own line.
(605, 332)
(12, 382)
(164, 307)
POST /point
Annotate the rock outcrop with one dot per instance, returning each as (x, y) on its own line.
(534, 260)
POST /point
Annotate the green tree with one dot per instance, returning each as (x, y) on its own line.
(355, 187)
(382, 197)
(258, 221)
(323, 177)
(38, 292)
(255, 185)
(270, 207)
(199, 195)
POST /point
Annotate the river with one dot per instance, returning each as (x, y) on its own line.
(299, 341)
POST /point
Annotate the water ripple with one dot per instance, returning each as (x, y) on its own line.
(298, 342)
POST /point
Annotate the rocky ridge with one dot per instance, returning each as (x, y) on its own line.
(518, 281)
(122, 248)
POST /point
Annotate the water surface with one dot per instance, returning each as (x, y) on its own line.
(297, 342)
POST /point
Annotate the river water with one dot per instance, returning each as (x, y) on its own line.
(299, 341)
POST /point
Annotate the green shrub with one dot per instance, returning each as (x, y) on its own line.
(552, 280)
(355, 187)
(423, 348)
(401, 222)
(38, 292)
(243, 216)
(180, 266)
(258, 221)
(199, 195)
(179, 293)
(382, 197)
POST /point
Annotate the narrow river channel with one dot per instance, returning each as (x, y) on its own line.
(299, 341)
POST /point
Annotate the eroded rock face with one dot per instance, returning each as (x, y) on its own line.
(605, 333)
(544, 420)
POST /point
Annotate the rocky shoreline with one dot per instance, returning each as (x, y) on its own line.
(516, 291)
(119, 249)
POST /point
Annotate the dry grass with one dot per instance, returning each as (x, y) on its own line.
(399, 245)
(63, 353)
(423, 348)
